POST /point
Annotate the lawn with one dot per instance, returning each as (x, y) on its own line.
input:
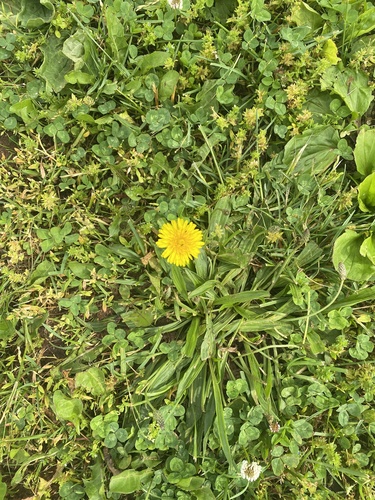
(187, 249)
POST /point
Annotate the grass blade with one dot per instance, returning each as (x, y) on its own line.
(220, 417)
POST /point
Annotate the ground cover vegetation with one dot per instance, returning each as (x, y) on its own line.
(125, 376)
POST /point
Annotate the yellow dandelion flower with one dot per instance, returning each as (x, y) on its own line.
(181, 240)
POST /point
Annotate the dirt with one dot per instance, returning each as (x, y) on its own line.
(7, 145)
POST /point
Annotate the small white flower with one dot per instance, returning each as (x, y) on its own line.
(274, 426)
(176, 4)
(251, 472)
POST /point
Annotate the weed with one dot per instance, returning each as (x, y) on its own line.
(247, 372)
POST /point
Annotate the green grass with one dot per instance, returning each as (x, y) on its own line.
(123, 376)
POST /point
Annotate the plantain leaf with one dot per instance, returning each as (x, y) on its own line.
(366, 194)
(347, 250)
(313, 151)
(364, 152)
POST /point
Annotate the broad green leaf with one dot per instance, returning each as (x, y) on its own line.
(316, 344)
(80, 270)
(294, 35)
(364, 24)
(76, 76)
(92, 380)
(310, 253)
(117, 40)
(166, 439)
(291, 461)
(168, 84)
(304, 15)
(70, 490)
(80, 48)
(94, 487)
(191, 483)
(7, 329)
(3, 489)
(35, 13)
(204, 494)
(367, 248)
(26, 110)
(351, 85)
(355, 298)
(210, 142)
(222, 10)
(347, 249)
(55, 64)
(138, 318)
(330, 52)
(73, 47)
(313, 151)
(67, 408)
(366, 194)
(220, 216)
(129, 481)
(320, 105)
(102, 250)
(151, 61)
(364, 151)
(277, 466)
(42, 272)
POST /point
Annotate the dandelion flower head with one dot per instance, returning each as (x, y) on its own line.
(182, 241)
(251, 472)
